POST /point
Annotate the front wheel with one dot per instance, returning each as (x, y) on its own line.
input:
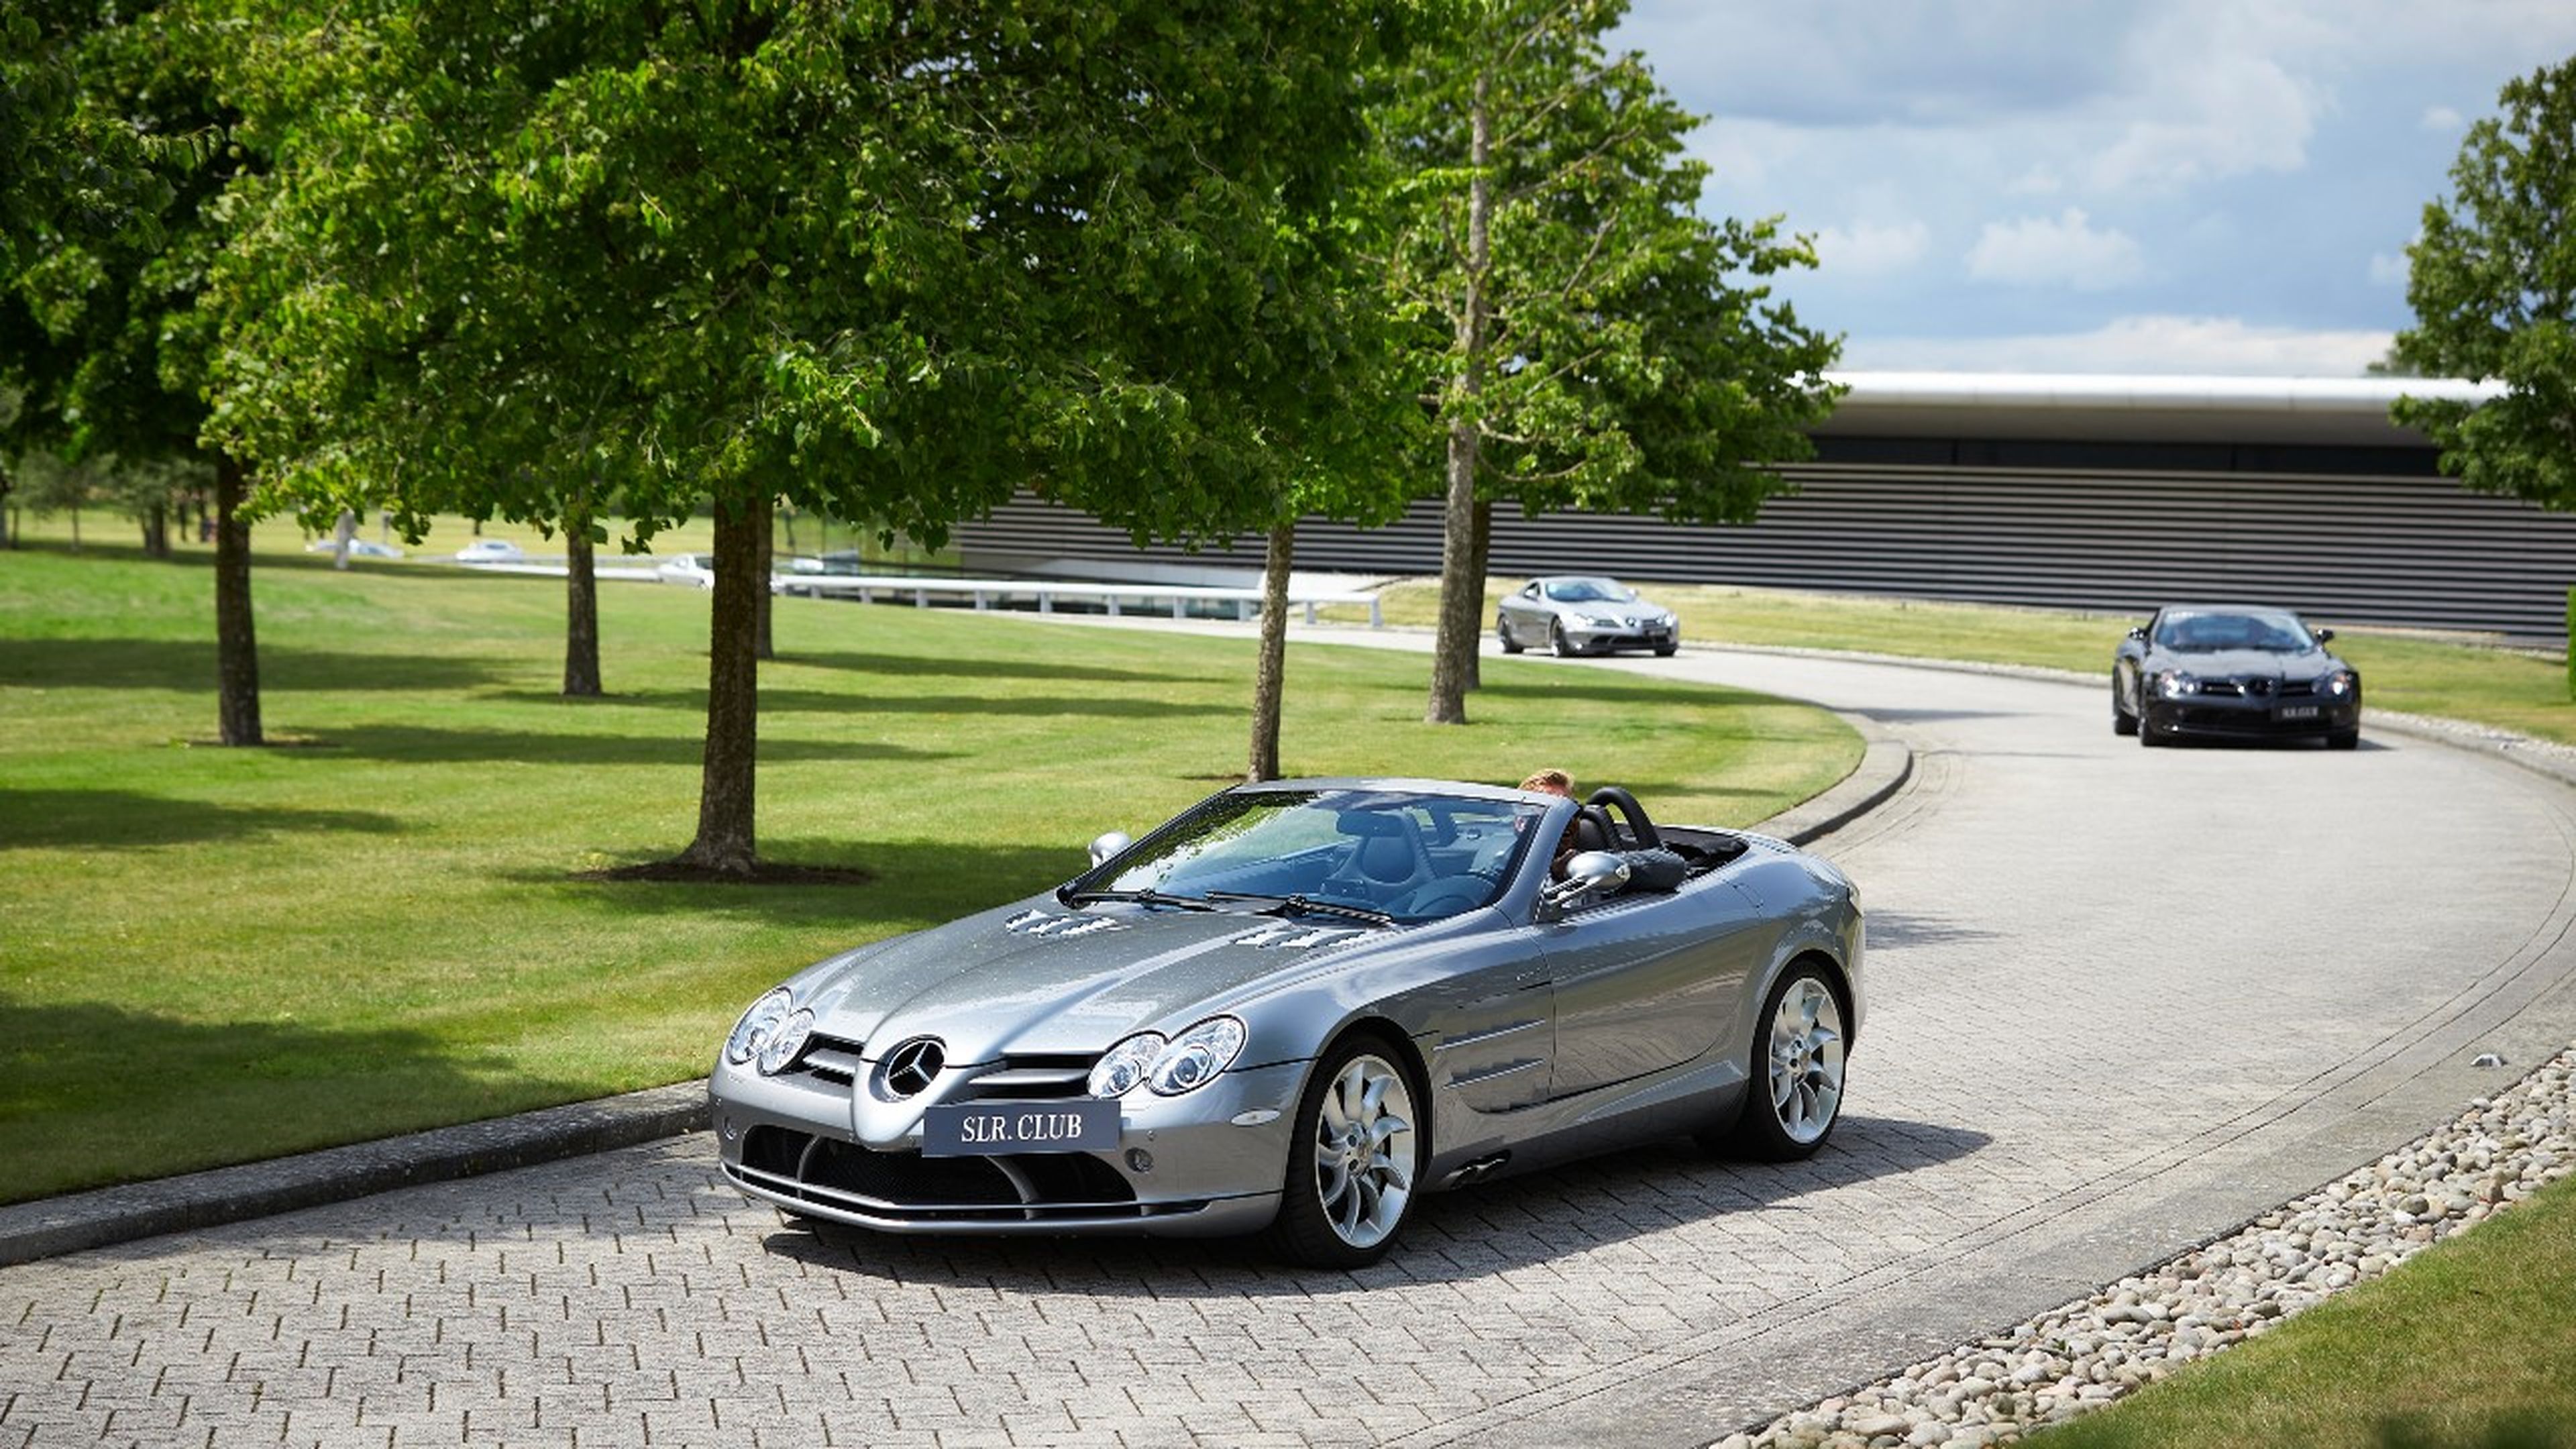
(1557, 641)
(1503, 633)
(1666, 651)
(1797, 1071)
(1352, 1159)
(2344, 739)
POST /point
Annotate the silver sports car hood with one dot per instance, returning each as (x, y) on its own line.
(1038, 977)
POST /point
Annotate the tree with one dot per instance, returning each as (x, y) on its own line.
(2493, 284)
(878, 263)
(70, 168)
(100, 329)
(1583, 340)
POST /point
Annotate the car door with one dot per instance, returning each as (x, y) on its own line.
(1525, 615)
(1649, 981)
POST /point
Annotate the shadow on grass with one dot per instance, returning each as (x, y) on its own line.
(928, 883)
(110, 819)
(76, 1113)
(421, 743)
(780, 700)
(189, 664)
(1594, 685)
(981, 668)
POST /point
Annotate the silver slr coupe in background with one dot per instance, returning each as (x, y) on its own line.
(1580, 614)
(1295, 1008)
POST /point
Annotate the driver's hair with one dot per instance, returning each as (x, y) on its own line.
(1550, 782)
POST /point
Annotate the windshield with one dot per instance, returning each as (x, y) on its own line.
(2269, 630)
(1409, 855)
(1586, 591)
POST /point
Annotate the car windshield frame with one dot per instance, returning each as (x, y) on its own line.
(1289, 852)
(2219, 631)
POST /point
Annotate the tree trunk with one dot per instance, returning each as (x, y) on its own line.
(1462, 590)
(1482, 570)
(1270, 677)
(724, 840)
(156, 530)
(765, 561)
(236, 647)
(8, 515)
(581, 609)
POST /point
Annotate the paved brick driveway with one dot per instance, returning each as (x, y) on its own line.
(2122, 1000)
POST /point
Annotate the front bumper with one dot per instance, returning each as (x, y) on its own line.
(1207, 1164)
(2218, 717)
(1594, 639)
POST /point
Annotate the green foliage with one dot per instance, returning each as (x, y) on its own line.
(71, 170)
(2493, 285)
(1610, 348)
(881, 263)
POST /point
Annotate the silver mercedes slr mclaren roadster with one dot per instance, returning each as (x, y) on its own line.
(1296, 1007)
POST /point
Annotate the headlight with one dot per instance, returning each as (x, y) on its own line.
(758, 1025)
(1197, 1055)
(2340, 684)
(1185, 1063)
(785, 1042)
(2174, 684)
(1124, 1068)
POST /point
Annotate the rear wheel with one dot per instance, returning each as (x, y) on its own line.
(1352, 1159)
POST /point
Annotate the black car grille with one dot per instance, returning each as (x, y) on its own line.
(2237, 688)
(829, 1172)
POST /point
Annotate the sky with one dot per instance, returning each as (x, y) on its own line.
(2221, 187)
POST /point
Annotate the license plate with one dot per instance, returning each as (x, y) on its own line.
(980, 1129)
(2295, 711)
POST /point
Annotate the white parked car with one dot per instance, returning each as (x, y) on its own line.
(491, 550)
(696, 570)
(358, 548)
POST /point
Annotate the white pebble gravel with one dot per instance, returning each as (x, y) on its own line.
(2084, 1354)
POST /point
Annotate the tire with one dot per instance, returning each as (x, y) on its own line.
(1557, 641)
(2147, 735)
(1795, 1084)
(1353, 1157)
(2122, 722)
(1666, 651)
(2344, 739)
(1503, 633)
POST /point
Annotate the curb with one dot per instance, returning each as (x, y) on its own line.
(53, 1226)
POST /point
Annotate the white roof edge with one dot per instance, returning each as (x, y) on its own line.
(2151, 392)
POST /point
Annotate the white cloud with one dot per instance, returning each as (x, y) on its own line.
(2198, 346)
(1866, 250)
(2443, 121)
(2060, 251)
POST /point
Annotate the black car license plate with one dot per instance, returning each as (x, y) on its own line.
(982, 1129)
(2295, 711)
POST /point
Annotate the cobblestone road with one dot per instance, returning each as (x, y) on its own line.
(2122, 1000)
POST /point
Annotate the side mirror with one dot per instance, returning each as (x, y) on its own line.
(2325, 636)
(1108, 845)
(1593, 873)
(2139, 632)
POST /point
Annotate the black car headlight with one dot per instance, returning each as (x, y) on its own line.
(2174, 684)
(770, 1034)
(2339, 684)
(1171, 1067)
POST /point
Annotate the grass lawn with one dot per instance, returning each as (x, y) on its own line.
(212, 955)
(2518, 690)
(2472, 1343)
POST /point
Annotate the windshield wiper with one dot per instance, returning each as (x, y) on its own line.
(1301, 906)
(1146, 897)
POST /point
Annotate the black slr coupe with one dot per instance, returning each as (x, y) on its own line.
(2232, 671)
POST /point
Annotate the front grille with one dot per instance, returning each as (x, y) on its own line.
(2298, 688)
(827, 1058)
(1023, 1187)
(1032, 1078)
